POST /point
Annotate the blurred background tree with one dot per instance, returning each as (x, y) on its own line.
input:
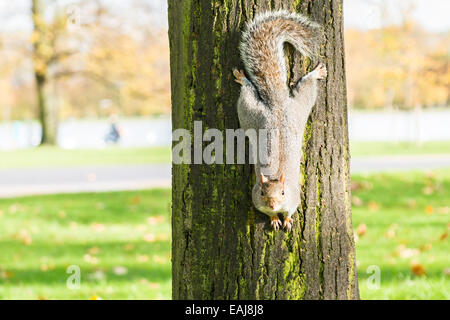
(83, 59)
(399, 64)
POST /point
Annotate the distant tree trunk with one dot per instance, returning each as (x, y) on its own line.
(42, 53)
(222, 247)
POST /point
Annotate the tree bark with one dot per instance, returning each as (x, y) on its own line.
(222, 247)
(42, 53)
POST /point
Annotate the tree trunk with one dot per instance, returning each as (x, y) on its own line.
(48, 117)
(222, 247)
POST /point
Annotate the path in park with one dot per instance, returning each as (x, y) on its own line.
(35, 181)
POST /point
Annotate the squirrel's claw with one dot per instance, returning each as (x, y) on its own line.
(275, 222)
(239, 75)
(288, 223)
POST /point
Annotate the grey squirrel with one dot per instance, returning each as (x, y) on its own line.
(266, 102)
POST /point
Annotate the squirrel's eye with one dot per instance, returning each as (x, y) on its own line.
(282, 193)
(262, 193)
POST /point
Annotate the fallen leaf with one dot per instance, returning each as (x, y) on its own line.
(426, 247)
(412, 203)
(95, 298)
(136, 200)
(429, 210)
(149, 237)
(94, 250)
(6, 275)
(373, 206)
(155, 220)
(142, 258)
(428, 190)
(392, 231)
(361, 230)
(443, 236)
(128, 247)
(120, 271)
(356, 201)
(98, 275)
(154, 285)
(98, 227)
(90, 259)
(417, 269)
(444, 210)
(405, 252)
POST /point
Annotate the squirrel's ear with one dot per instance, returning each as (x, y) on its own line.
(263, 178)
(282, 179)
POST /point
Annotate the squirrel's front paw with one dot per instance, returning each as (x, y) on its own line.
(288, 223)
(321, 71)
(239, 75)
(275, 222)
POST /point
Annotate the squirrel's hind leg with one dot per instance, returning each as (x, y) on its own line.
(306, 90)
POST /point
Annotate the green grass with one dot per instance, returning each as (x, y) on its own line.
(55, 157)
(406, 218)
(407, 221)
(358, 149)
(121, 242)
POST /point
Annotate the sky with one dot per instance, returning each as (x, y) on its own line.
(433, 15)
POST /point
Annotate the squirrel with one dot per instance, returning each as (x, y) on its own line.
(266, 102)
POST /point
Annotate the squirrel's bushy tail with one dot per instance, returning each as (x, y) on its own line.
(262, 47)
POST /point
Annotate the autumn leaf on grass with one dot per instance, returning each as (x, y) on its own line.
(136, 200)
(417, 269)
(142, 258)
(429, 210)
(154, 285)
(98, 227)
(24, 237)
(95, 298)
(97, 275)
(120, 271)
(90, 259)
(94, 250)
(392, 231)
(444, 210)
(426, 247)
(128, 247)
(361, 230)
(428, 190)
(412, 203)
(443, 236)
(149, 237)
(405, 252)
(155, 220)
(6, 275)
(373, 206)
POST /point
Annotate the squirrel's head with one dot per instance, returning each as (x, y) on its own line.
(272, 193)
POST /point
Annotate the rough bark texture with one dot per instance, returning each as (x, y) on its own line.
(223, 248)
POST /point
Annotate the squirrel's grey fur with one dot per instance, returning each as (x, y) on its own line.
(266, 102)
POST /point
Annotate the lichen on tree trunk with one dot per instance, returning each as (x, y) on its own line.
(222, 248)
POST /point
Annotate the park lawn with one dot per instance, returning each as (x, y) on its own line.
(403, 222)
(120, 241)
(56, 157)
(382, 148)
